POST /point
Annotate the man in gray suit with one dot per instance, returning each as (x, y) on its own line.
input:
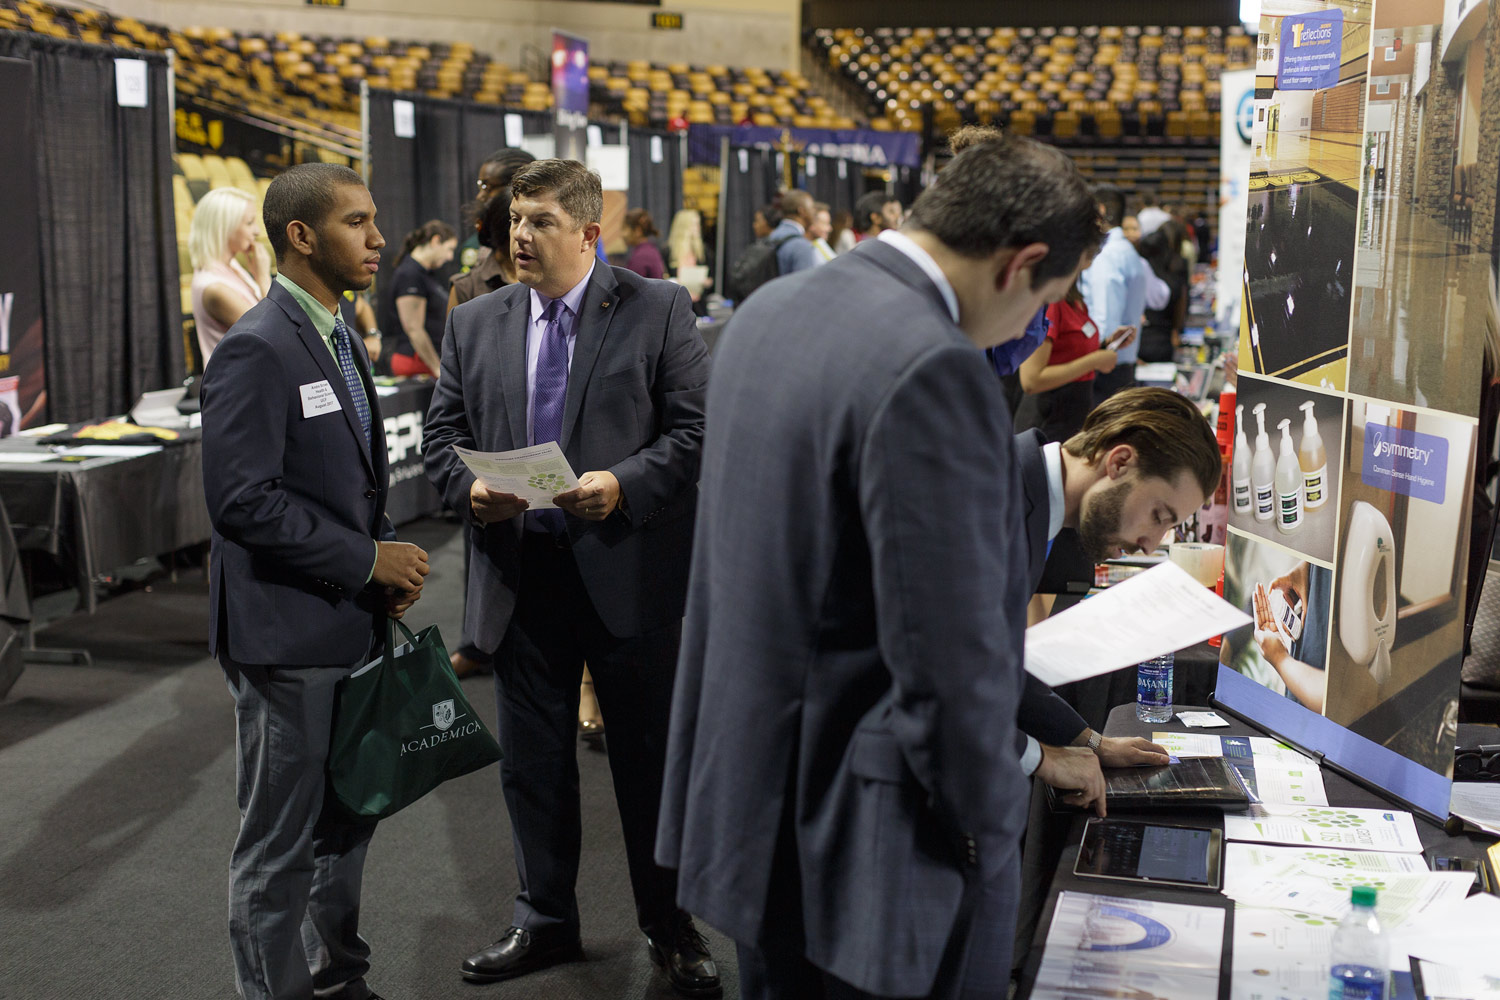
(609, 365)
(304, 565)
(844, 788)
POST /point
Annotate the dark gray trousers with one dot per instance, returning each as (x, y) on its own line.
(295, 873)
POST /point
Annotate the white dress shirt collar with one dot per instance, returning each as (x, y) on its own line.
(924, 260)
(1052, 456)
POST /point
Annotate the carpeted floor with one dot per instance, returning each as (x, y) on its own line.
(117, 814)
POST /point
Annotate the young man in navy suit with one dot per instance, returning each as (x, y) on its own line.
(304, 565)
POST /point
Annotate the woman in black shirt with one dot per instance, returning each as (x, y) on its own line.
(415, 304)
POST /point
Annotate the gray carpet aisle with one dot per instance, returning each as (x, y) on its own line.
(117, 815)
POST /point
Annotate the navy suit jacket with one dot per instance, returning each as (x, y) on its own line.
(634, 407)
(851, 658)
(296, 501)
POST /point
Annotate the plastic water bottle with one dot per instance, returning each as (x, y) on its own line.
(1360, 952)
(1153, 689)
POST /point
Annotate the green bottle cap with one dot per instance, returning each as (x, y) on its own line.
(1362, 895)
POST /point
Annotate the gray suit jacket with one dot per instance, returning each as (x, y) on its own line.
(296, 502)
(851, 658)
(634, 407)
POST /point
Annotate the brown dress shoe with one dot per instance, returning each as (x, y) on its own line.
(463, 666)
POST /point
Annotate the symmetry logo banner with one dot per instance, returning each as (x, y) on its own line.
(1311, 50)
(1406, 462)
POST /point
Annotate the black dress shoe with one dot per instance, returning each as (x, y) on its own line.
(682, 953)
(518, 953)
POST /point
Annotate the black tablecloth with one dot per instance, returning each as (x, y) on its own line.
(1057, 837)
(403, 412)
(104, 513)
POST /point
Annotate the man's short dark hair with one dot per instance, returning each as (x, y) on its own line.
(796, 202)
(494, 223)
(302, 194)
(771, 214)
(1112, 200)
(1006, 191)
(870, 204)
(508, 161)
(577, 188)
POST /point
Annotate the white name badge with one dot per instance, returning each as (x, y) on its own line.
(318, 398)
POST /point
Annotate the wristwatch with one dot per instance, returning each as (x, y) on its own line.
(1095, 739)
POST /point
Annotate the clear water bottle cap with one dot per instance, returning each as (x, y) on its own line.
(1362, 895)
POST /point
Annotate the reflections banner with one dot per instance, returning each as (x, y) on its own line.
(1367, 299)
(570, 94)
(1311, 47)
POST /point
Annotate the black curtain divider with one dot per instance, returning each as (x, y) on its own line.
(432, 175)
(906, 184)
(750, 178)
(656, 184)
(839, 183)
(110, 287)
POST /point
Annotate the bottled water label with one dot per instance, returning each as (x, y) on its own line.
(1154, 690)
(1353, 983)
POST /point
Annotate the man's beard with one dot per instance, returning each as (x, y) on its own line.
(335, 281)
(1099, 523)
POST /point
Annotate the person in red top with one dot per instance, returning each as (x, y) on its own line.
(1058, 377)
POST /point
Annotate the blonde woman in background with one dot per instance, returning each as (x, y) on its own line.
(224, 225)
(685, 252)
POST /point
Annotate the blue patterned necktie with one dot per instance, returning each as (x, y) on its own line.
(344, 351)
(549, 394)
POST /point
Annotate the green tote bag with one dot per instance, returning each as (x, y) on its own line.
(402, 726)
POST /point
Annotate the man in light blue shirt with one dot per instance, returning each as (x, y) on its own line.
(1117, 287)
(798, 252)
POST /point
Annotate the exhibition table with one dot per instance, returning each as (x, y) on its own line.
(96, 514)
(1063, 833)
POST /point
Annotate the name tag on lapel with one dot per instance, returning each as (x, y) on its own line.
(318, 398)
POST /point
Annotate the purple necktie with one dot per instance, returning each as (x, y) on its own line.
(549, 395)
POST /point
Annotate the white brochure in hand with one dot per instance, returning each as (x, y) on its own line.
(1159, 611)
(535, 474)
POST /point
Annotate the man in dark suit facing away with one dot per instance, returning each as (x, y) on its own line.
(844, 789)
(304, 564)
(610, 366)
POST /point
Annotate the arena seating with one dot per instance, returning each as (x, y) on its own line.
(316, 80)
(653, 95)
(1090, 84)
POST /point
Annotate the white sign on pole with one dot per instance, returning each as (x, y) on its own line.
(404, 117)
(514, 132)
(130, 83)
(613, 165)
